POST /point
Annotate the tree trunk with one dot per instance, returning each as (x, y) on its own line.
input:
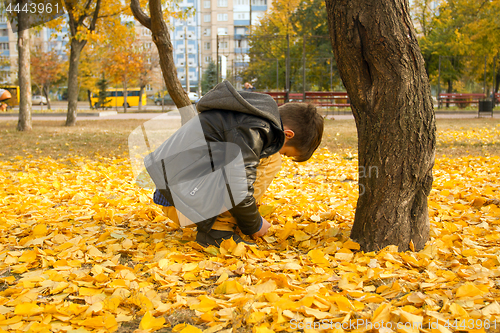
(125, 95)
(383, 70)
(74, 61)
(23, 42)
(161, 38)
(449, 90)
(140, 97)
(46, 93)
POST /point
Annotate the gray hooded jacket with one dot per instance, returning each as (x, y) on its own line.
(246, 122)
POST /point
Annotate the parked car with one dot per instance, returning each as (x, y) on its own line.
(167, 100)
(193, 97)
(38, 100)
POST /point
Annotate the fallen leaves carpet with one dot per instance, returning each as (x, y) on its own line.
(82, 248)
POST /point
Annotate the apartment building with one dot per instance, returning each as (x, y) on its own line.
(43, 39)
(227, 23)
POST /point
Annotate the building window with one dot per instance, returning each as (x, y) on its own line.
(208, 59)
(4, 46)
(149, 87)
(146, 32)
(241, 2)
(206, 18)
(221, 17)
(221, 3)
(241, 16)
(206, 45)
(206, 32)
(147, 46)
(221, 31)
(259, 2)
(223, 45)
(3, 32)
(206, 4)
(240, 31)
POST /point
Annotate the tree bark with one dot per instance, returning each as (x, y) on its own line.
(140, 97)
(125, 95)
(74, 61)
(23, 42)
(383, 70)
(46, 93)
(161, 38)
(77, 45)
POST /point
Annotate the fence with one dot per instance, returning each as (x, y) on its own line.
(293, 64)
(301, 64)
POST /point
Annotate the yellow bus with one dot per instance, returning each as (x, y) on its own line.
(14, 91)
(115, 98)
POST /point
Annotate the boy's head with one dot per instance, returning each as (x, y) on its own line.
(303, 127)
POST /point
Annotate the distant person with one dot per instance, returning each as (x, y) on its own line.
(4, 95)
(248, 87)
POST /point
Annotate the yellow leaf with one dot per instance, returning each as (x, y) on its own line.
(265, 210)
(468, 290)
(191, 329)
(351, 245)
(27, 309)
(255, 317)
(318, 257)
(229, 287)
(40, 230)
(263, 329)
(382, 314)
(240, 250)
(148, 322)
(28, 256)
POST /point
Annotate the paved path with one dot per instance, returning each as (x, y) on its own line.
(176, 115)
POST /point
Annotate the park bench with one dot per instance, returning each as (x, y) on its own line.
(459, 99)
(319, 98)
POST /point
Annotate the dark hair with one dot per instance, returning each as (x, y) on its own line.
(307, 124)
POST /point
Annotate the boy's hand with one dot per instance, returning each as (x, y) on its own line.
(263, 230)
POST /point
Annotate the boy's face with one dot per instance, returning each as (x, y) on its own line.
(289, 151)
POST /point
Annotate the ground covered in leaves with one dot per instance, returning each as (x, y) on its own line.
(82, 248)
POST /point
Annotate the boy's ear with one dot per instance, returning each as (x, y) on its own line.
(289, 133)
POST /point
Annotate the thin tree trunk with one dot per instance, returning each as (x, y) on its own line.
(46, 93)
(140, 97)
(161, 38)
(383, 70)
(449, 90)
(23, 42)
(74, 61)
(125, 95)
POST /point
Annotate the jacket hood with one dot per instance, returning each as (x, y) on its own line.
(224, 97)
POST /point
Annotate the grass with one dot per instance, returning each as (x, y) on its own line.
(109, 138)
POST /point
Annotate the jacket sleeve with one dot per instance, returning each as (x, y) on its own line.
(251, 141)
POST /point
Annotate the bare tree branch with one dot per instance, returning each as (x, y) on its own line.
(139, 14)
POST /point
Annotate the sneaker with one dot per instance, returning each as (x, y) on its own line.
(215, 238)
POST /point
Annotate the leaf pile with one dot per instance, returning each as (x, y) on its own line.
(82, 248)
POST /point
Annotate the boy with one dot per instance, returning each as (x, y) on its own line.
(262, 131)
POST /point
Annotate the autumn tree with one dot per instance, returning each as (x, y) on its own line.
(47, 68)
(147, 61)
(209, 78)
(123, 64)
(383, 70)
(161, 37)
(305, 25)
(83, 17)
(457, 37)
